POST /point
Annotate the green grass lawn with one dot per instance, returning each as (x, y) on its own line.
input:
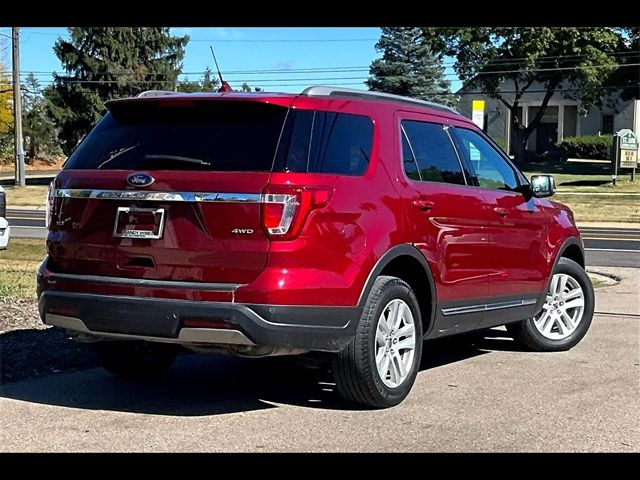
(18, 265)
(29, 196)
(604, 202)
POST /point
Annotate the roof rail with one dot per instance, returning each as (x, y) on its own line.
(156, 93)
(321, 91)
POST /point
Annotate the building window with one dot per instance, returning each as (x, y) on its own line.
(607, 124)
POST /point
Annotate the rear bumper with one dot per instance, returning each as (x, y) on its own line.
(302, 327)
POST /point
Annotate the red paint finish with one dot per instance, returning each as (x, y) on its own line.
(517, 248)
(198, 244)
(477, 243)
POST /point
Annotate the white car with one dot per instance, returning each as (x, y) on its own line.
(5, 230)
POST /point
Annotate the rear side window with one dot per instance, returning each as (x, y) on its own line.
(325, 142)
(433, 152)
(207, 135)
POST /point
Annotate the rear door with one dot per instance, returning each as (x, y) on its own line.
(168, 190)
(447, 221)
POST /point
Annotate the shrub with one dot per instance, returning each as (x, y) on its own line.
(592, 147)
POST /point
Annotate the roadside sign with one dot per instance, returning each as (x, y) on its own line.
(477, 113)
(628, 148)
(628, 158)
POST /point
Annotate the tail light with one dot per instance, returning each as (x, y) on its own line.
(286, 208)
(49, 204)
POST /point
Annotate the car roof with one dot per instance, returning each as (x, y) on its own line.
(285, 98)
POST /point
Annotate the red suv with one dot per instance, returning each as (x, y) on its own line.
(348, 222)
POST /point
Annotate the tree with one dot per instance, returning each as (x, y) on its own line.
(245, 87)
(206, 84)
(408, 66)
(109, 62)
(40, 135)
(6, 102)
(6, 116)
(627, 75)
(522, 58)
(188, 86)
(209, 83)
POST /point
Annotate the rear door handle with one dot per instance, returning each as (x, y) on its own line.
(503, 212)
(424, 205)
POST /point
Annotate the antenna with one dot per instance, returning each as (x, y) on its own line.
(224, 86)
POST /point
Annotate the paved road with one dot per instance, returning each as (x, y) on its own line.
(613, 247)
(474, 394)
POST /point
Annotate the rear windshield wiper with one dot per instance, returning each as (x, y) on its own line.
(177, 158)
(116, 153)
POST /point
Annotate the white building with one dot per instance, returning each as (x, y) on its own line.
(560, 119)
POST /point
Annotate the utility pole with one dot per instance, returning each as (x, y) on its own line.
(17, 109)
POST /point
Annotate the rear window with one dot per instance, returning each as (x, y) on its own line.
(210, 136)
(325, 142)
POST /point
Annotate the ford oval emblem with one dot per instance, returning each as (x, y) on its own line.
(140, 179)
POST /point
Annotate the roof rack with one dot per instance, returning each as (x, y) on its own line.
(156, 93)
(322, 91)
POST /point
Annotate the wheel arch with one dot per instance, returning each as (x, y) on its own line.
(406, 262)
(572, 249)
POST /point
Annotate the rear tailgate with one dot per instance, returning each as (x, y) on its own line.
(211, 231)
(167, 193)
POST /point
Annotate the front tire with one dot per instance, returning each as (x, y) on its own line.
(135, 359)
(379, 366)
(566, 314)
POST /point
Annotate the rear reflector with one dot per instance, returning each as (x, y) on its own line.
(64, 311)
(204, 323)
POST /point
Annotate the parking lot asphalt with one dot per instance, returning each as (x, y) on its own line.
(479, 393)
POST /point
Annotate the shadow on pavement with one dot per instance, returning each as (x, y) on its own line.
(42, 366)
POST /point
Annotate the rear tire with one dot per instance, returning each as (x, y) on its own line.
(135, 359)
(560, 325)
(379, 366)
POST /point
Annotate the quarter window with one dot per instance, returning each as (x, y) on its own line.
(433, 152)
(488, 166)
(326, 142)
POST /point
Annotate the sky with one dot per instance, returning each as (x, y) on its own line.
(284, 59)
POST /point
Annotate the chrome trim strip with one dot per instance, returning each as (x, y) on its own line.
(144, 282)
(488, 307)
(158, 196)
(217, 336)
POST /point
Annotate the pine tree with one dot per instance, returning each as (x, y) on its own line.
(408, 67)
(109, 62)
(209, 83)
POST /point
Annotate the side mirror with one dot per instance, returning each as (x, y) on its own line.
(543, 185)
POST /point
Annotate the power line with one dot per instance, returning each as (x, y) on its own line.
(302, 40)
(496, 72)
(353, 69)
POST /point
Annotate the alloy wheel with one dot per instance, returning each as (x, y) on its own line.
(395, 343)
(563, 308)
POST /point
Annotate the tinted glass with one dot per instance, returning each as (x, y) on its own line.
(437, 160)
(489, 168)
(326, 142)
(213, 136)
(408, 161)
